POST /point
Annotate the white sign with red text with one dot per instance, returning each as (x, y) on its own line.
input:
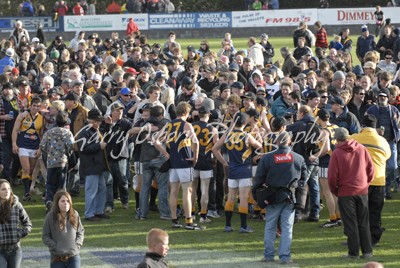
(355, 15)
(272, 18)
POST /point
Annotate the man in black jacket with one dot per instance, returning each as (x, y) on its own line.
(94, 166)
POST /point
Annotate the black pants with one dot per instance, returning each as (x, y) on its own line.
(376, 200)
(355, 217)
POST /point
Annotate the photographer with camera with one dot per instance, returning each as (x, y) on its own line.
(281, 172)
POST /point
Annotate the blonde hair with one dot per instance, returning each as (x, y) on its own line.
(58, 105)
(155, 236)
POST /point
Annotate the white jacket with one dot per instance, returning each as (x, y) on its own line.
(256, 53)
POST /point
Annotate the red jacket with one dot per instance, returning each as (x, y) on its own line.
(78, 10)
(321, 39)
(131, 28)
(350, 169)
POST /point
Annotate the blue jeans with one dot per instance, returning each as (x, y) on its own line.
(73, 262)
(55, 181)
(12, 259)
(313, 187)
(95, 194)
(391, 167)
(151, 170)
(109, 191)
(118, 172)
(286, 213)
(8, 157)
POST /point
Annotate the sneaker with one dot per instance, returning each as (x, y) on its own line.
(125, 206)
(248, 229)
(193, 226)
(137, 215)
(330, 224)
(288, 261)
(339, 222)
(94, 218)
(213, 214)
(109, 210)
(165, 217)
(28, 198)
(35, 191)
(367, 255)
(348, 256)
(228, 229)
(102, 216)
(267, 260)
(177, 225)
(204, 220)
(312, 219)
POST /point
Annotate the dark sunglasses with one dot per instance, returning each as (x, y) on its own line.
(95, 82)
(324, 97)
(126, 95)
(362, 94)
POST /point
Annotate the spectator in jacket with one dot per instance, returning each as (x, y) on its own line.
(345, 39)
(350, 172)
(358, 105)
(289, 61)
(322, 37)
(388, 126)
(341, 116)
(386, 42)
(365, 43)
(302, 31)
(78, 10)
(301, 49)
(102, 98)
(379, 150)
(14, 225)
(63, 232)
(268, 49)
(27, 9)
(8, 60)
(94, 167)
(132, 28)
(56, 147)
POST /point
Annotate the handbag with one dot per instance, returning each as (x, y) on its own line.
(166, 166)
(266, 193)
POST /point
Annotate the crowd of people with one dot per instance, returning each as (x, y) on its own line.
(82, 113)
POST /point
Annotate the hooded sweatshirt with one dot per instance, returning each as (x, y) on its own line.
(350, 169)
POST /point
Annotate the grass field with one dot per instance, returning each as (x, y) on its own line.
(241, 43)
(122, 240)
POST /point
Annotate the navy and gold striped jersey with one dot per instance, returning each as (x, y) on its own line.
(324, 160)
(204, 135)
(179, 144)
(239, 155)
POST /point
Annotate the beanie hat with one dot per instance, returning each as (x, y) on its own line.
(338, 75)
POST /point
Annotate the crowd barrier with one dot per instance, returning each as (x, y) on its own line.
(203, 20)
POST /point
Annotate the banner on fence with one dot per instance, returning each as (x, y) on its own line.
(190, 20)
(30, 24)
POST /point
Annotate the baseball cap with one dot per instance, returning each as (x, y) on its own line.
(249, 95)
(323, 114)
(204, 110)
(337, 100)
(125, 91)
(146, 107)
(370, 64)
(160, 75)
(10, 52)
(77, 82)
(117, 106)
(186, 81)
(191, 49)
(234, 67)
(313, 94)
(8, 85)
(384, 92)
(131, 71)
(223, 86)
(96, 77)
(35, 39)
(238, 85)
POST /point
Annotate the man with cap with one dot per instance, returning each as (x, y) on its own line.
(338, 84)
(341, 116)
(24, 92)
(237, 88)
(387, 63)
(102, 98)
(10, 106)
(388, 117)
(239, 146)
(84, 98)
(280, 169)
(94, 166)
(116, 131)
(350, 172)
(8, 60)
(380, 152)
(365, 43)
(268, 50)
(58, 44)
